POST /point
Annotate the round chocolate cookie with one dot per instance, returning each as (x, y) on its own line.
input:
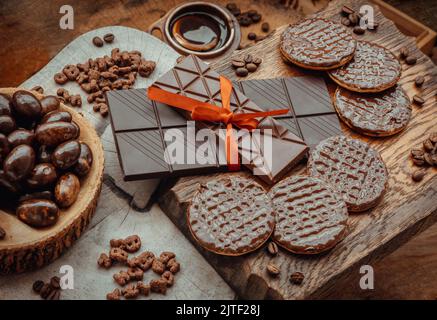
(311, 217)
(231, 216)
(373, 69)
(379, 114)
(317, 44)
(352, 168)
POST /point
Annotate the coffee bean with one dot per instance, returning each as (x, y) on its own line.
(272, 248)
(248, 58)
(256, 18)
(38, 89)
(418, 175)
(428, 145)
(410, 60)
(354, 19)
(257, 61)
(98, 42)
(272, 269)
(418, 162)
(265, 27)
(108, 38)
(244, 21)
(237, 63)
(55, 282)
(251, 36)
(242, 72)
(359, 30)
(418, 100)
(251, 67)
(297, 278)
(428, 159)
(2, 233)
(37, 286)
(236, 12)
(345, 21)
(345, 10)
(417, 153)
(419, 80)
(433, 137)
(404, 53)
(45, 291)
(54, 295)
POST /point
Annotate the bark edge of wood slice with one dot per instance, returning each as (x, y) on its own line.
(26, 248)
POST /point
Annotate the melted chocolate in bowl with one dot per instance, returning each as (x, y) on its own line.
(199, 31)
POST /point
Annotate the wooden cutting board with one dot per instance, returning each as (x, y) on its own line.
(407, 208)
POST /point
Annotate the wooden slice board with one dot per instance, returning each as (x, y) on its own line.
(407, 207)
(26, 248)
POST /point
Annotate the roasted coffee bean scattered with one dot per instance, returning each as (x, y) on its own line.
(346, 11)
(265, 27)
(2, 233)
(55, 282)
(45, 291)
(345, 21)
(37, 286)
(272, 269)
(272, 248)
(251, 36)
(418, 175)
(411, 60)
(245, 65)
(98, 42)
(354, 19)
(419, 81)
(246, 18)
(38, 89)
(55, 294)
(359, 30)
(404, 53)
(418, 100)
(428, 145)
(425, 156)
(108, 38)
(297, 278)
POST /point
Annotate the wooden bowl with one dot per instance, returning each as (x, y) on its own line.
(26, 248)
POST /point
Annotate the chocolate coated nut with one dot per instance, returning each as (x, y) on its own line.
(20, 136)
(49, 104)
(5, 105)
(130, 292)
(19, 163)
(38, 213)
(121, 278)
(53, 133)
(42, 175)
(143, 288)
(44, 155)
(158, 267)
(54, 116)
(108, 38)
(132, 243)
(12, 187)
(7, 124)
(173, 266)
(146, 68)
(66, 154)
(66, 190)
(135, 274)
(85, 161)
(165, 256)
(47, 195)
(168, 277)
(4, 146)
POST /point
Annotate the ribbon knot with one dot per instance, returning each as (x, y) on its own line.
(204, 111)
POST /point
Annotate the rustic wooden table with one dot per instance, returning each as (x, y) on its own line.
(413, 277)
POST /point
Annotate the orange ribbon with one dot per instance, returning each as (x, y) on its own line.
(204, 111)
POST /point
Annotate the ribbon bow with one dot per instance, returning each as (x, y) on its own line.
(204, 111)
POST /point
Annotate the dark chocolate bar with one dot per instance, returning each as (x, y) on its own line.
(311, 117)
(139, 127)
(195, 79)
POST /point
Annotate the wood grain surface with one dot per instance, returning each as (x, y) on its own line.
(407, 208)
